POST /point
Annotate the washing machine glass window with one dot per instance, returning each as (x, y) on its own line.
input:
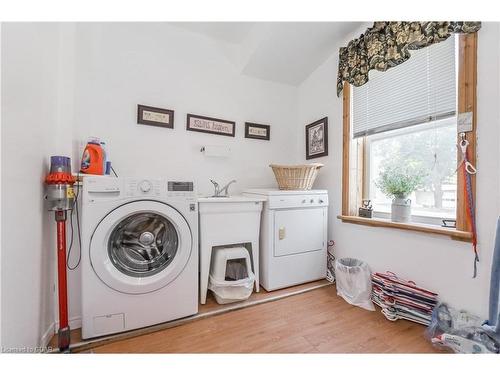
(143, 244)
(126, 264)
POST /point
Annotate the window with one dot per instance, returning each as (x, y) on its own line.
(429, 149)
(406, 117)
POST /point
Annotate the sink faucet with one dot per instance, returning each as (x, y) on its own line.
(221, 192)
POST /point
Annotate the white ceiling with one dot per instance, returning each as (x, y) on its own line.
(284, 52)
(232, 32)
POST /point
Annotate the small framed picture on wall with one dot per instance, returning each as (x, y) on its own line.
(210, 125)
(155, 116)
(257, 131)
(317, 139)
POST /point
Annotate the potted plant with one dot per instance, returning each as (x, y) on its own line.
(398, 184)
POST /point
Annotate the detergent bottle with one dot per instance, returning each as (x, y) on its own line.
(93, 158)
(105, 157)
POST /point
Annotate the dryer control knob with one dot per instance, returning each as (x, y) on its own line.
(145, 186)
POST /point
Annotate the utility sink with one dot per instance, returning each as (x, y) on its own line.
(225, 222)
(229, 199)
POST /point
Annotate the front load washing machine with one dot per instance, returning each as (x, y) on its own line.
(139, 253)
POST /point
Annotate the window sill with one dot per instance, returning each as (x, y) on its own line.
(417, 227)
(415, 218)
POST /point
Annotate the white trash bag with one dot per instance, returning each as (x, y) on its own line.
(232, 282)
(231, 278)
(231, 291)
(354, 282)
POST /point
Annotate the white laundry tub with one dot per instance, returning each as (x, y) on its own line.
(228, 221)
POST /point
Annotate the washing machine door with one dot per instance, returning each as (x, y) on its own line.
(140, 247)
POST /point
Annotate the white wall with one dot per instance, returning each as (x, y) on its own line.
(434, 262)
(1, 341)
(31, 118)
(122, 65)
(81, 80)
(63, 83)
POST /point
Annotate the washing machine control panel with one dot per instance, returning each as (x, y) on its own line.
(180, 186)
(143, 187)
(148, 187)
(180, 189)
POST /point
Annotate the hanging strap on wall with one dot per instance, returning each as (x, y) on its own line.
(468, 170)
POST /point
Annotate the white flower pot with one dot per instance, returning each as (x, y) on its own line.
(401, 210)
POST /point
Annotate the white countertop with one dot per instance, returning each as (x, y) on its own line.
(231, 199)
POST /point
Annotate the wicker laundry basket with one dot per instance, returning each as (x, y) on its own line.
(296, 177)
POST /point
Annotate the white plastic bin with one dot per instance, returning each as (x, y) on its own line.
(231, 278)
(354, 282)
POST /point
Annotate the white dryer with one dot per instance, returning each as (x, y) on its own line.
(139, 253)
(293, 236)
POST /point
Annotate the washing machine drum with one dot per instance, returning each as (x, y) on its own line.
(140, 247)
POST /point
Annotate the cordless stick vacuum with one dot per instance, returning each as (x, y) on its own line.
(61, 198)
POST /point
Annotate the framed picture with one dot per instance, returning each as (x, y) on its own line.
(317, 139)
(257, 131)
(210, 125)
(155, 116)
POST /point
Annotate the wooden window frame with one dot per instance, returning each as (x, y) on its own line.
(353, 153)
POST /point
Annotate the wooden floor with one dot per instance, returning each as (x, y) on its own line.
(211, 305)
(313, 322)
(210, 308)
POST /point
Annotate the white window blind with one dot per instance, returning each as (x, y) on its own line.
(420, 90)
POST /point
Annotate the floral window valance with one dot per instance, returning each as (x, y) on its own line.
(388, 44)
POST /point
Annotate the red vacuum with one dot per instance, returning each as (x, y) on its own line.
(61, 198)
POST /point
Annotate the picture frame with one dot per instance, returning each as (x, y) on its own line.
(257, 131)
(210, 125)
(155, 116)
(317, 139)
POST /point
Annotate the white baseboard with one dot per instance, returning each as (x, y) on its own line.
(47, 336)
(74, 323)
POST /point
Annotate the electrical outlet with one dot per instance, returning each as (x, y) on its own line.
(282, 233)
(464, 122)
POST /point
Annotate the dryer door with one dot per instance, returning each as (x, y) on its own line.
(299, 231)
(140, 247)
